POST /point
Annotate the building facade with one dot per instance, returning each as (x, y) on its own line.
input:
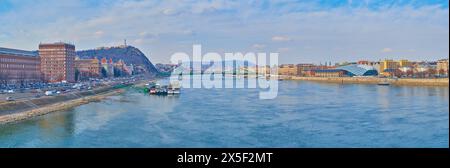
(57, 62)
(442, 67)
(89, 68)
(287, 69)
(404, 63)
(388, 65)
(122, 68)
(108, 66)
(303, 69)
(328, 73)
(19, 66)
(363, 62)
(358, 70)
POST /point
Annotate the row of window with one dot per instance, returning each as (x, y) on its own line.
(19, 71)
(56, 73)
(13, 60)
(53, 63)
(56, 58)
(18, 66)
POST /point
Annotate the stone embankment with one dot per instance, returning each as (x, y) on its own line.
(25, 109)
(374, 80)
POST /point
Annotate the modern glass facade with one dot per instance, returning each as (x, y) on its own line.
(359, 70)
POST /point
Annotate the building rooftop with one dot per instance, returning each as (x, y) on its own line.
(56, 44)
(389, 70)
(17, 52)
(327, 70)
(359, 69)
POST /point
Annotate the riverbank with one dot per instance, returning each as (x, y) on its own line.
(304, 114)
(374, 80)
(22, 110)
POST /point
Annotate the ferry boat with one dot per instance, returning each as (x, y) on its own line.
(152, 91)
(384, 83)
(161, 91)
(171, 89)
(174, 88)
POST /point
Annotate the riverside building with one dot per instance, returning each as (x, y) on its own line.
(287, 69)
(57, 62)
(19, 66)
(89, 68)
(442, 67)
(387, 66)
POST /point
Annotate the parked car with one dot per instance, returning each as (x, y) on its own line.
(49, 93)
(9, 99)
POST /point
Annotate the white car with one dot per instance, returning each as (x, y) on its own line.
(49, 93)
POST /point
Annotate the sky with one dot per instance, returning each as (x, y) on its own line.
(306, 31)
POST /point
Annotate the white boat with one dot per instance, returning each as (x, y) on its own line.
(170, 91)
(176, 91)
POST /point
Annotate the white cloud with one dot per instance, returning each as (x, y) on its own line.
(280, 38)
(283, 49)
(99, 34)
(139, 41)
(412, 50)
(258, 46)
(169, 12)
(160, 28)
(210, 6)
(387, 50)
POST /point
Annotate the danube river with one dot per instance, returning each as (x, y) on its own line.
(305, 114)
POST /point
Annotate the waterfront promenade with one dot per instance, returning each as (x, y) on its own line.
(375, 80)
(28, 108)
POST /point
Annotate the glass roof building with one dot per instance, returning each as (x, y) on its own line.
(359, 70)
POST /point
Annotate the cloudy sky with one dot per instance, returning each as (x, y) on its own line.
(301, 31)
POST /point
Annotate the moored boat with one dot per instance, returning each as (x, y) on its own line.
(152, 91)
(384, 83)
(171, 89)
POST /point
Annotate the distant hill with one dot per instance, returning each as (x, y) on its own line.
(129, 54)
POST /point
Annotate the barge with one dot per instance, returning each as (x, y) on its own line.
(158, 89)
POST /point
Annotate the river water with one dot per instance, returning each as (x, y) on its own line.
(304, 114)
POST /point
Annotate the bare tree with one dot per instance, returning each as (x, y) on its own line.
(3, 78)
(409, 73)
(442, 72)
(431, 72)
(21, 78)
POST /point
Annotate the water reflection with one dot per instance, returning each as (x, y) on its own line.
(383, 97)
(305, 114)
(51, 130)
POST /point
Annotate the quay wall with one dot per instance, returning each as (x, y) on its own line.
(375, 80)
(25, 109)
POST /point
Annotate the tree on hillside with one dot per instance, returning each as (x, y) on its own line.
(77, 75)
(104, 73)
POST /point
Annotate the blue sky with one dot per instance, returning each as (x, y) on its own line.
(301, 31)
